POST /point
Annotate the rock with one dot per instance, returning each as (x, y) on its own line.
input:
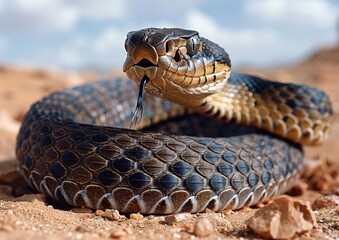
(174, 218)
(283, 218)
(202, 227)
(326, 201)
(136, 216)
(110, 214)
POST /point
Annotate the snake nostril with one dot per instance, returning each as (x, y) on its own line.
(177, 56)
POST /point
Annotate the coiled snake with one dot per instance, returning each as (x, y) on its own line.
(69, 150)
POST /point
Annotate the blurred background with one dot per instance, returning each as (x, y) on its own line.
(77, 35)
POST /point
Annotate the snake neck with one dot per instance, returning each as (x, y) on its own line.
(233, 103)
(296, 112)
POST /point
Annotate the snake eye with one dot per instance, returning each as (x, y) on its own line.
(192, 45)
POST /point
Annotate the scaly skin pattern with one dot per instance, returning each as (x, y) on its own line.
(74, 145)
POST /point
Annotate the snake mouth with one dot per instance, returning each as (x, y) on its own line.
(145, 63)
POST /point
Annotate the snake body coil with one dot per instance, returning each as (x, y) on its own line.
(67, 151)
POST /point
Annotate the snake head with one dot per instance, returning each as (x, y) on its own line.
(177, 62)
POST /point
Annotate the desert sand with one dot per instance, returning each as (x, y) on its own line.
(25, 214)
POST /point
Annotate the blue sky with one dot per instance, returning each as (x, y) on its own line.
(89, 34)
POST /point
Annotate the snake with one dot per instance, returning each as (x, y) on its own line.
(203, 137)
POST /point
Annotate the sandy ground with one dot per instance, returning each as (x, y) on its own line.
(27, 215)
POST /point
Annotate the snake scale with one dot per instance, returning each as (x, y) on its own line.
(75, 145)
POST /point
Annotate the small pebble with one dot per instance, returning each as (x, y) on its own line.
(202, 227)
(9, 212)
(188, 227)
(118, 234)
(110, 214)
(136, 216)
(174, 218)
(260, 205)
(150, 217)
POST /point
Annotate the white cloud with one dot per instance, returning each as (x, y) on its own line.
(108, 46)
(56, 15)
(101, 10)
(110, 38)
(240, 37)
(37, 15)
(104, 51)
(241, 43)
(312, 13)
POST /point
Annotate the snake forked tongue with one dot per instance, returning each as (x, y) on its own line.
(139, 107)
